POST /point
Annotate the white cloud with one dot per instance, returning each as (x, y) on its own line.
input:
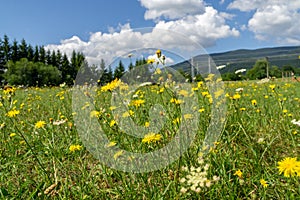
(109, 46)
(276, 22)
(246, 5)
(192, 24)
(204, 29)
(172, 9)
(273, 20)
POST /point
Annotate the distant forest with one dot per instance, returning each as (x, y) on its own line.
(23, 64)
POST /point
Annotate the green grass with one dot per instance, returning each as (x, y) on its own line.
(253, 140)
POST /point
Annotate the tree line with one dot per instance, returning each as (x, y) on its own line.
(23, 64)
(262, 69)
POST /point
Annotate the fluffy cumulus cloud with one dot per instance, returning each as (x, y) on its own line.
(273, 20)
(172, 9)
(246, 5)
(180, 24)
(204, 29)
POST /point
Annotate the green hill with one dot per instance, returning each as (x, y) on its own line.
(244, 58)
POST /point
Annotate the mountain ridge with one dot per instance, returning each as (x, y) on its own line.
(246, 58)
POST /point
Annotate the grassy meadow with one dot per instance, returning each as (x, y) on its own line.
(257, 155)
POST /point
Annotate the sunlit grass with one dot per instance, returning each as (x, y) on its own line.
(41, 154)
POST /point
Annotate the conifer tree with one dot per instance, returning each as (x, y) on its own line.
(36, 56)
(15, 56)
(23, 49)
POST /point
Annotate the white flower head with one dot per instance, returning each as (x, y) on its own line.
(295, 122)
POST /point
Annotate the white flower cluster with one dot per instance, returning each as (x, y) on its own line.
(57, 123)
(239, 89)
(262, 81)
(296, 122)
(196, 178)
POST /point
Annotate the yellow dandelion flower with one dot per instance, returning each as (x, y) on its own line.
(272, 87)
(205, 93)
(111, 144)
(12, 134)
(151, 137)
(289, 167)
(74, 148)
(111, 86)
(94, 113)
(210, 99)
(12, 113)
(238, 173)
(150, 61)
(218, 93)
(161, 90)
(112, 108)
(201, 110)
(263, 183)
(40, 124)
(158, 53)
(295, 132)
(147, 124)
(2, 125)
(176, 120)
(183, 93)
(112, 123)
(118, 154)
(188, 116)
(200, 84)
(236, 96)
(137, 103)
(157, 71)
(131, 113)
(9, 90)
(125, 114)
(176, 101)
(209, 77)
(254, 102)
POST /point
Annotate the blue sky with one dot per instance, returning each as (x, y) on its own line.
(94, 27)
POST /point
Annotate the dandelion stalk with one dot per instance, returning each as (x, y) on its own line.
(29, 146)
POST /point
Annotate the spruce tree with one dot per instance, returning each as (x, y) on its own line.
(2, 61)
(30, 53)
(42, 57)
(23, 48)
(65, 67)
(15, 55)
(119, 71)
(6, 49)
(48, 57)
(36, 56)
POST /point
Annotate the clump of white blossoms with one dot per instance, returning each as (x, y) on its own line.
(196, 179)
(295, 122)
